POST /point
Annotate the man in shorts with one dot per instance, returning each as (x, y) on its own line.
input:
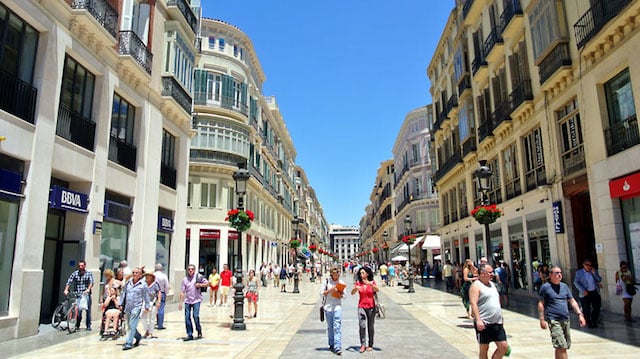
(554, 311)
(485, 306)
(225, 284)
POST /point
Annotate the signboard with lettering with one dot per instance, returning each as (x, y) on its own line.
(165, 224)
(558, 224)
(68, 200)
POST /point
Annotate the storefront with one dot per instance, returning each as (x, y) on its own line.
(163, 239)
(115, 231)
(10, 194)
(208, 257)
(627, 189)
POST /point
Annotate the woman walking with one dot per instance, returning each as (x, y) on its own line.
(252, 294)
(469, 275)
(366, 287)
(333, 292)
(214, 284)
(625, 277)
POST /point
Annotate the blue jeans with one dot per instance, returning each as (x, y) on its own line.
(160, 318)
(132, 323)
(188, 308)
(334, 328)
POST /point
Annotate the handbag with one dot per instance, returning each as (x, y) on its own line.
(378, 309)
(631, 289)
(324, 299)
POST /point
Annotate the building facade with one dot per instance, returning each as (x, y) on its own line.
(515, 83)
(95, 114)
(345, 242)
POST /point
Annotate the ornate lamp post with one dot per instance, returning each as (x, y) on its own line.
(313, 261)
(385, 234)
(241, 176)
(296, 273)
(483, 176)
(407, 224)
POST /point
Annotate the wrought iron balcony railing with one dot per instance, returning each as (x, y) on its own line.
(491, 40)
(511, 8)
(17, 97)
(130, 44)
(102, 11)
(557, 58)
(171, 87)
(592, 21)
(521, 92)
(622, 135)
(122, 153)
(75, 128)
(168, 176)
(186, 11)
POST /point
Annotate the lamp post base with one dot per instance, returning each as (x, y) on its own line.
(295, 283)
(411, 290)
(238, 302)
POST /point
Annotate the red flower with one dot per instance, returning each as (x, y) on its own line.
(374, 249)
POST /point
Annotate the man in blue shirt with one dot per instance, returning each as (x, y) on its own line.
(554, 311)
(134, 296)
(83, 282)
(588, 282)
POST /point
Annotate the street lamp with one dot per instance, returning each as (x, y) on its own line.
(385, 234)
(483, 176)
(313, 262)
(241, 176)
(296, 272)
(407, 224)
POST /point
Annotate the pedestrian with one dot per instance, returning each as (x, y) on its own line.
(553, 310)
(447, 275)
(192, 297)
(384, 274)
(485, 307)
(290, 270)
(333, 292)
(214, 284)
(626, 281)
(276, 275)
(469, 275)
(588, 283)
(126, 270)
(155, 298)
(134, 297)
(283, 279)
(503, 283)
(163, 282)
(252, 294)
(392, 274)
(366, 288)
(82, 280)
(225, 284)
(264, 272)
(458, 275)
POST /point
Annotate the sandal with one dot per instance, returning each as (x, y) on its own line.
(362, 349)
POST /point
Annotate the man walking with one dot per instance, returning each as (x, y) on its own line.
(83, 282)
(588, 282)
(447, 275)
(485, 306)
(134, 296)
(554, 311)
(163, 282)
(192, 297)
(225, 284)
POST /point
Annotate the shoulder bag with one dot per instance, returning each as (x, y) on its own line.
(324, 300)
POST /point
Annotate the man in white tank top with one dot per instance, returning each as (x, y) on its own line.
(487, 313)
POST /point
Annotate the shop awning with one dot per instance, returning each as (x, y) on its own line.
(431, 242)
(398, 259)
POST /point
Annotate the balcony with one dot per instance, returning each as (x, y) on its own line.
(102, 12)
(122, 153)
(171, 88)
(485, 130)
(186, 13)
(75, 128)
(595, 18)
(622, 135)
(513, 188)
(573, 160)
(17, 97)
(168, 176)
(448, 165)
(479, 66)
(464, 85)
(558, 58)
(536, 177)
(469, 146)
(131, 45)
(442, 116)
(452, 104)
(499, 115)
(472, 11)
(493, 45)
(511, 18)
(521, 92)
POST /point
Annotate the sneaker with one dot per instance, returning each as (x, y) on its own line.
(127, 347)
(200, 336)
(339, 352)
(188, 338)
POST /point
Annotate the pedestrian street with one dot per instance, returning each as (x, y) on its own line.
(429, 323)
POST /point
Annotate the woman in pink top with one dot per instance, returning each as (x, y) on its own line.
(366, 288)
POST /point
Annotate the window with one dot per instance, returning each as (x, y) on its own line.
(76, 102)
(135, 17)
(167, 166)
(208, 193)
(535, 174)
(415, 153)
(212, 42)
(9, 209)
(495, 190)
(620, 104)
(235, 50)
(462, 200)
(221, 44)
(545, 26)
(189, 194)
(571, 141)
(121, 149)
(465, 121)
(511, 175)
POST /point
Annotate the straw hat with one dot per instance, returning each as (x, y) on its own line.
(149, 272)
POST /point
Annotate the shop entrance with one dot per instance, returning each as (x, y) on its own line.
(58, 262)
(585, 240)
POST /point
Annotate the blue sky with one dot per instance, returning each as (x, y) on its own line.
(344, 73)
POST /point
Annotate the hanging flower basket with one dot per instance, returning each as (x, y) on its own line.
(409, 239)
(486, 214)
(374, 250)
(313, 248)
(294, 243)
(240, 219)
(385, 247)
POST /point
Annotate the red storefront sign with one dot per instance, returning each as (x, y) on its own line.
(625, 187)
(233, 235)
(209, 233)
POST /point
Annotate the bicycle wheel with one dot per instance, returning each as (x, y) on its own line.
(58, 316)
(72, 318)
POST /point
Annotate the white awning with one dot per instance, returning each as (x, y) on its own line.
(402, 247)
(398, 259)
(431, 242)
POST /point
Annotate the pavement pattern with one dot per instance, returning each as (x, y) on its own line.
(429, 323)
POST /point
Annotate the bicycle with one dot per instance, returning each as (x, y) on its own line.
(66, 311)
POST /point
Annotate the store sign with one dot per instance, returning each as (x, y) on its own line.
(68, 200)
(165, 224)
(625, 187)
(10, 183)
(209, 233)
(557, 217)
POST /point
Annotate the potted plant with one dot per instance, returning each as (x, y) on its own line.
(313, 248)
(486, 214)
(294, 243)
(240, 219)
